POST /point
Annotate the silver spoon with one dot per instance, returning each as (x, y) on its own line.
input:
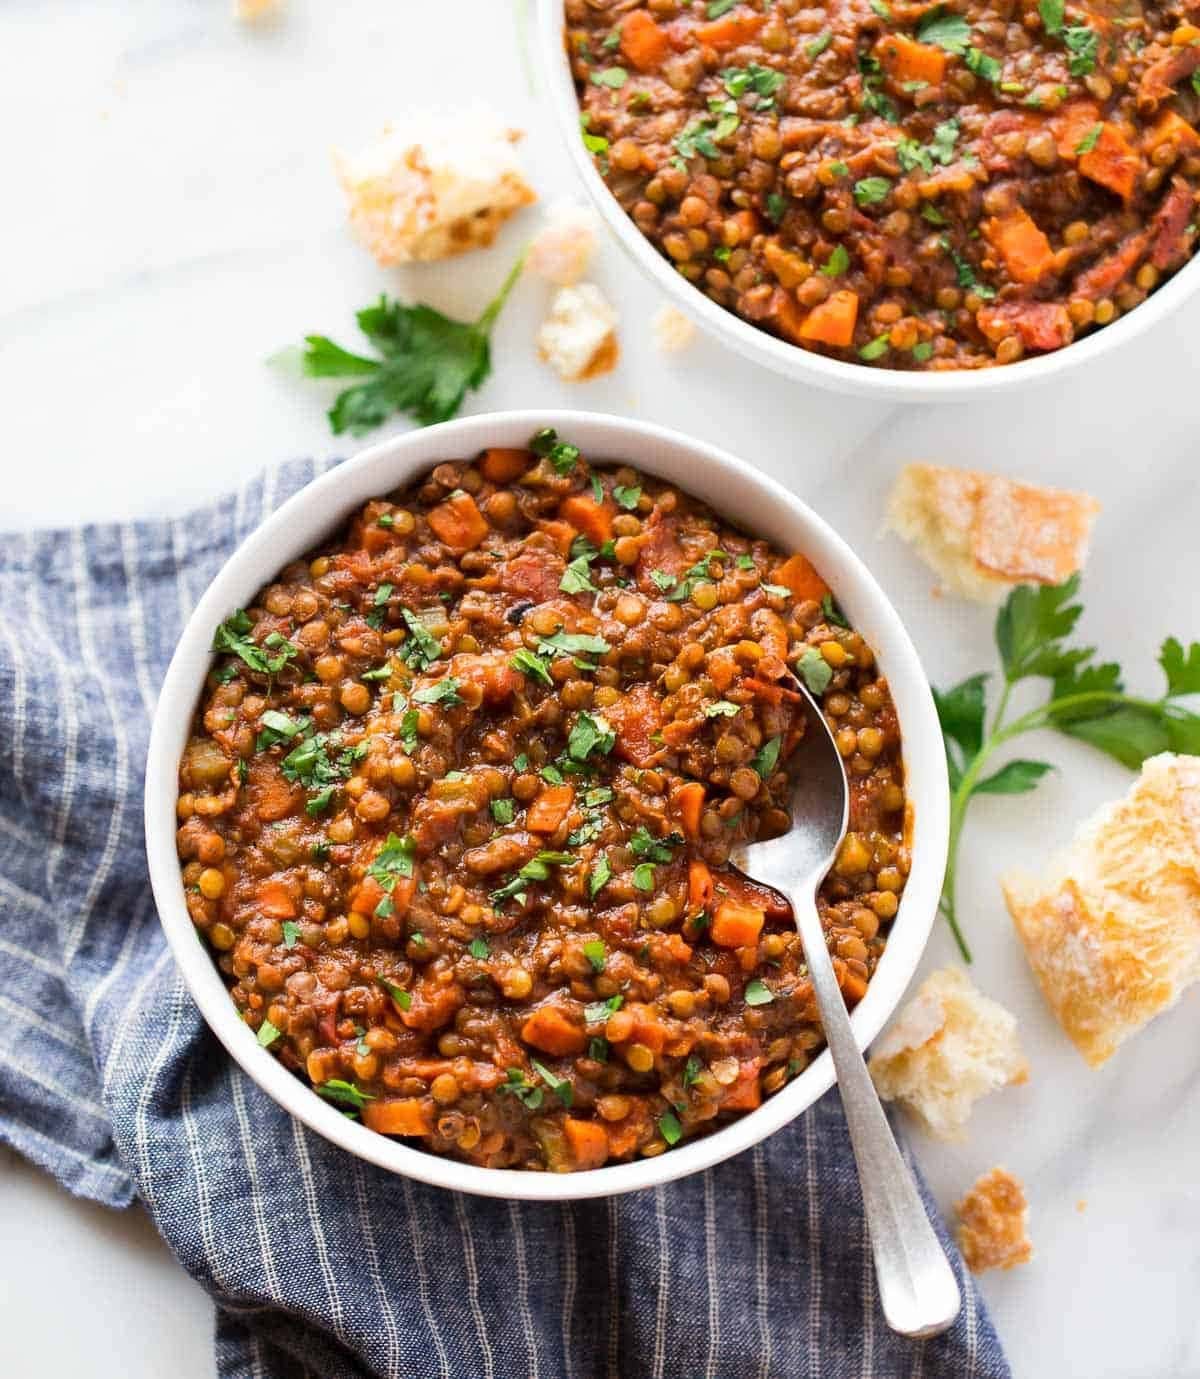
(917, 1287)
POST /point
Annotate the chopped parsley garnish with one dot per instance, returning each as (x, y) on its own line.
(427, 365)
(233, 636)
(612, 77)
(344, 1093)
(599, 877)
(945, 136)
(596, 144)
(382, 594)
(716, 8)
(721, 708)
(590, 733)
(873, 349)
(931, 215)
(831, 612)
(444, 692)
(947, 31)
(819, 44)
(669, 1127)
(758, 994)
(870, 190)
(966, 274)
(291, 932)
(422, 647)
(644, 844)
(599, 1011)
(597, 1049)
(573, 644)
(383, 672)
(815, 670)
(662, 580)
(596, 954)
(561, 455)
(626, 497)
(1090, 139)
(276, 728)
(776, 207)
(393, 861)
(528, 664)
(983, 64)
(766, 758)
(879, 8)
(397, 993)
(516, 1083)
(267, 1034)
(409, 724)
(576, 578)
(309, 763)
(643, 876)
(478, 948)
(1084, 46)
(537, 870)
(503, 811)
(922, 351)
(763, 83)
(834, 266)
(560, 1086)
(1053, 13)
(691, 1071)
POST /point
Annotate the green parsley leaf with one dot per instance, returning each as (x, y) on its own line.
(932, 215)
(1084, 46)
(643, 876)
(562, 456)
(576, 578)
(692, 1070)
(600, 876)
(669, 1127)
(832, 613)
(945, 136)
(276, 727)
(758, 994)
(596, 144)
(345, 1093)
(393, 861)
(422, 647)
(1030, 628)
(573, 644)
(1090, 139)
(776, 207)
(950, 32)
(663, 580)
(528, 664)
(428, 362)
(912, 155)
(612, 77)
(382, 594)
(599, 1011)
(383, 672)
(815, 670)
(982, 64)
(233, 636)
(1017, 778)
(716, 8)
(961, 713)
(597, 1049)
(874, 349)
(519, 1086)
(590, 733)
(966, 274)
(766, 758)
(1181, 668)
(868, 191)
(626, 498)
(721, 708)
(644, 844)
(267, 1034)
(879, 8)
(1053, 13)
(397, 993)
(445, 691)
(596, 954)
(763, 83)
(819, 44)
(291, 933)
(922, 351)
(503, 811)
(478, 948)
(560, 1086)
(835, 264)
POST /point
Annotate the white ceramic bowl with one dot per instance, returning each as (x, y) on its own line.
(806, 366)
(737, 492)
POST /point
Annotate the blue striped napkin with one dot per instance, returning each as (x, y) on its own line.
(320, 1265)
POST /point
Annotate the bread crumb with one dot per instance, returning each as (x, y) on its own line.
(994, 1217)
(1113, 932)
(984, 534)
(578, 338)
(1081, 1205)
(250, 11)
(562, 249)
(672, 329)
(431, 189)
(949, 1046)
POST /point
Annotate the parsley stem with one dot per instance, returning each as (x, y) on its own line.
(496, 305)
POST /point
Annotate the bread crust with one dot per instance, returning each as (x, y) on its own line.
(984, 533)
(994, 1216)
(1113, 932)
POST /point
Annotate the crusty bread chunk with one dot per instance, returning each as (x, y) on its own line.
(994, 1216)
(578, 338)
(431, 190)
(672, 329)
(983, 533)
(949, 1046)
(1113, 932)
(562, 249)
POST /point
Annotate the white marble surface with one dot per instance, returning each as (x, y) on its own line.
(172, 218)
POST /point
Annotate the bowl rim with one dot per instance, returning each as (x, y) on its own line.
(891, 385)
(318, 508)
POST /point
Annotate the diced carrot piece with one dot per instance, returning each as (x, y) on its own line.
(1113, 162)
(904, 59)
(722, 667)
(645, 43)
(503, 466)
(433, 1006)
(832, 322)
(1071, 126)
(671, 948)
(771, 694)
(375, 539)
(689, 803)
(784, 312)
(550, 808)
(587, 1139)
(745, 1093)
(400, 1116)
(548, 1029)
(731, 30)
(636, 718)
(1171, 128)
(367, 895)
(700, 885)
(798, 574)
(736, 925)
(276, 900)
(593, 519)
(854, 987)
(1019, 241)
(561, 533)
(680, 732)
(271, 796)
(458, 523)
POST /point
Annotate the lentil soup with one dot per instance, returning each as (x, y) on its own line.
(456, 807)
(912, 186)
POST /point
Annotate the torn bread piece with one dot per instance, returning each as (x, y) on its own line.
(949, 1046)
(430, 190)
(578, 338)
(984, 534)
(994, 1218)
(562, 249)
(1113, 932)
(672, 329)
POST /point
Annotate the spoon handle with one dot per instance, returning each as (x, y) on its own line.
(917, 1287)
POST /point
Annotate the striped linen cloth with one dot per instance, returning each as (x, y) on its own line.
(320, 1266)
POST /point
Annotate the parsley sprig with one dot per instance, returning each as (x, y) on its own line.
(429, 362)
(1087, 701)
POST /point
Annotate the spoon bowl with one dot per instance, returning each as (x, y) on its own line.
(917, 1288)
